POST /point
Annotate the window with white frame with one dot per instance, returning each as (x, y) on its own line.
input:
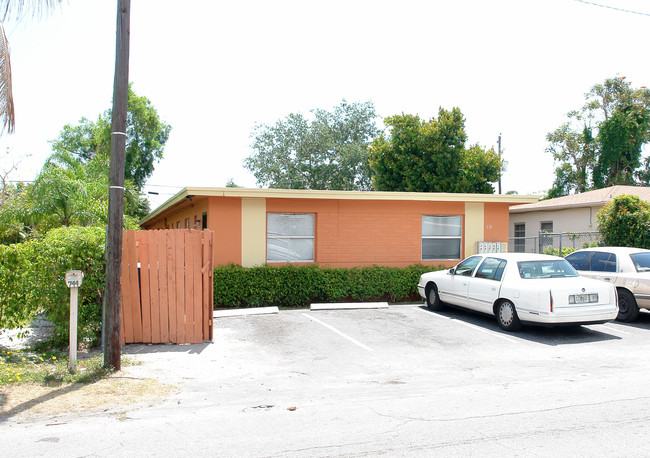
(290, 237)
(441, 237)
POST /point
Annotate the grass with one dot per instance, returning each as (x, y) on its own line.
(49, 367)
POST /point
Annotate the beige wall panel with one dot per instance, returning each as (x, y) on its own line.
(474, 224)
(253, 219)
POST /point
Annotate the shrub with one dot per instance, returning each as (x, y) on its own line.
(297, 286)
(556, 252)
(32, 281)
(625, 221)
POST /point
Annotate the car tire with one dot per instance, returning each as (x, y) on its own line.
(507, 317)
(628, 310)
(433, 299)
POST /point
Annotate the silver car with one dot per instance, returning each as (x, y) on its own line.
(627, 268)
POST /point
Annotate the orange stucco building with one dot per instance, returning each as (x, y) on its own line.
(339, 228)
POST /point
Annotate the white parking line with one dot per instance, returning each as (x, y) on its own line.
(612, 329)
(476, 328)
(345, 336)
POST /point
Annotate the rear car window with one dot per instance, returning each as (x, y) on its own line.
(546, 269)
(641, 261)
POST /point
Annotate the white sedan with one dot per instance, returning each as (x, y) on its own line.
(521, 288)
(626, 268)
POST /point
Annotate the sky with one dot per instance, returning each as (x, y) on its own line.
(216, 69)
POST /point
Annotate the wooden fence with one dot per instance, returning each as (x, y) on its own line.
(167, 286)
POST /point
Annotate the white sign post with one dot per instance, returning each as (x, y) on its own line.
(73, 280)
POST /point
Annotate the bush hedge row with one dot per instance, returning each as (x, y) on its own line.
(32, 280)
(298, 286)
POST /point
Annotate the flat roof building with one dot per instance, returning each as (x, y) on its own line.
(339, 228)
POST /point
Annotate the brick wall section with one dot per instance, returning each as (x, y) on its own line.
(349, 232)
(366, 232)
(224, 218)
(497, 216)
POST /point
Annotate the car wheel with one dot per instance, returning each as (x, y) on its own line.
(627, 308)
(433, 299)
(507, 316)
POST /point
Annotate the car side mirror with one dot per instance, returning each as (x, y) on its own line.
(452, 271)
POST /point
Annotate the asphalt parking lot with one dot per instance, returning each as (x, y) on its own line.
(401, 381)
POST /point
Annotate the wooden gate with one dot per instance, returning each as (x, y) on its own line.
(167, 286)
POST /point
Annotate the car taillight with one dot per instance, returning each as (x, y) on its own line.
(550, 297)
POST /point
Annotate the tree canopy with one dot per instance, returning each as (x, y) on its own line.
(431, 156)
(602, 143)
(145, 142)
(72, 187)
(328, 151)
(67, 192)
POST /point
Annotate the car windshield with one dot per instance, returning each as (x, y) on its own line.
(553, 268)
(641, 261)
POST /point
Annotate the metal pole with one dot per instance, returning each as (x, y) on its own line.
(113, 303)
(74, 301)
(500, 166)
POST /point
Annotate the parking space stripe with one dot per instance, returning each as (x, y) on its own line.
(345, 336)
(612, 329)
(476, 328)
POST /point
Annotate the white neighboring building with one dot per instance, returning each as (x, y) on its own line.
(574, 213)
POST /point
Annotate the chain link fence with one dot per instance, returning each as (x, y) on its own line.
(560, 243)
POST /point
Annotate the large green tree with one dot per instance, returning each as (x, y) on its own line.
(72, 187)
(574, 148)
(431, 156)
(145, 142)
(602, 143)
(328, 151)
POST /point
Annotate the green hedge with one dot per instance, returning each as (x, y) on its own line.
(32, 280)
(291, 286)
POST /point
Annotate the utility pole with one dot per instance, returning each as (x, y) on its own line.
(113, 293)
(500, 166)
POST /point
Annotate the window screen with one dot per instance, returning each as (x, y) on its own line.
(441, 237)
(290, 237)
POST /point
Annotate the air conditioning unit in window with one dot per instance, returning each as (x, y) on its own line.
(492, 247)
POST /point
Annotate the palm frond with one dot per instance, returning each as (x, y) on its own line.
(7, 116)
(20, 9)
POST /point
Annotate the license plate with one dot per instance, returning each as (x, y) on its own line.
(582, 298)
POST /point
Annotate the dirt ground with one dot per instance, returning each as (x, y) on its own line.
(112, 394)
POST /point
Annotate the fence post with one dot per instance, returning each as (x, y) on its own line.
(73, 278)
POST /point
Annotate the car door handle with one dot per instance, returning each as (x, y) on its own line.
(607, 278)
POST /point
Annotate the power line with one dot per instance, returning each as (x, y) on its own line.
(162, 186)
(613, 8)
